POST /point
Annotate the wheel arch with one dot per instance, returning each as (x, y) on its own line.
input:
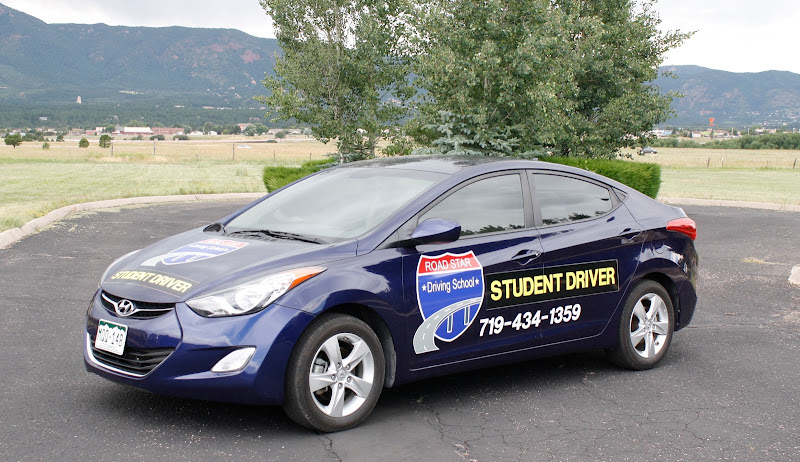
(669, 285)
(378, 325)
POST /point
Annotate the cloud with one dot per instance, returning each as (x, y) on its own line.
(245, 15)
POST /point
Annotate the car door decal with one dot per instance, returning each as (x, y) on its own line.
(551, 283)
(450, 289)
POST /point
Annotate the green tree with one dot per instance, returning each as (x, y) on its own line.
(60, 137)
(280, 134)
(105, 141)
(45, 146)
(83, 143)
(344, 69)
(516, 77)
(13, 139)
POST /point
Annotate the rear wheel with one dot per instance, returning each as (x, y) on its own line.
(646, 327)
(335, 374)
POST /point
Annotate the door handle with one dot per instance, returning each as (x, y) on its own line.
(523, 257)
(629, 234)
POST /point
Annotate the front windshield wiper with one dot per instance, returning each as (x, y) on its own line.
(280, 235)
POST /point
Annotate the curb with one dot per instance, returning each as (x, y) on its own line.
(13, 235)
(722, 203)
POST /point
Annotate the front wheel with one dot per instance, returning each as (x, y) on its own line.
(335, 374)
(646, 327)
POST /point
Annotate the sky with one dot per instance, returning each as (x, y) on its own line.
(731, 35)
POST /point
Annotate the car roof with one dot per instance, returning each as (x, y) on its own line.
(454, 164)
(446, 164)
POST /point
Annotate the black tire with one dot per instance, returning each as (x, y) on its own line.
(337, 404)
(646, 327)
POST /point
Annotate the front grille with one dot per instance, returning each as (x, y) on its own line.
(144, 310)
(134, 361)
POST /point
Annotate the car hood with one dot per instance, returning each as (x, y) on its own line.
(187, 264)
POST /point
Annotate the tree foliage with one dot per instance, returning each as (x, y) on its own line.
(83, 143)
(105, 141)
(343, 70)
(565, 76)
(13, 139)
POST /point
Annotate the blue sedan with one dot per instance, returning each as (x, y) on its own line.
(379, 273)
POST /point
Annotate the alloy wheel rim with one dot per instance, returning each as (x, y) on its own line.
(649, 326)
(342, 375)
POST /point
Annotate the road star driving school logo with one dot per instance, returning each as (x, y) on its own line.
(450, 294)
(196, 251)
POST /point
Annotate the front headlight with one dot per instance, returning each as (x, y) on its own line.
(250, 297)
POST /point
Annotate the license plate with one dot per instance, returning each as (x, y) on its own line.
(111, 337)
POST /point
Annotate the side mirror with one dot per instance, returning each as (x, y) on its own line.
(436, 231)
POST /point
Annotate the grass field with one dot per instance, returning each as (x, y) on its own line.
(34, 181)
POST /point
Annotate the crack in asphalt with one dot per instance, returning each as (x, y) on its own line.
(327, 443)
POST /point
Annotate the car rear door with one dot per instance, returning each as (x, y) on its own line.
(591, 248)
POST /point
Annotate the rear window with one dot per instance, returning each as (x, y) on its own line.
(565, 199)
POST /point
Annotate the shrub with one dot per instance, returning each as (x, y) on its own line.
(157, 137)
(180, 137)
(83, 143)
(277, 177)
(643, 177)
(105, 141)
(46, 146)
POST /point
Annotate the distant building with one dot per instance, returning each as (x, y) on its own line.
(661, 133)
(167, 131)
(136, 131)
(79, 100)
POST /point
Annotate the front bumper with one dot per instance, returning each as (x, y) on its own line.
(186, 346)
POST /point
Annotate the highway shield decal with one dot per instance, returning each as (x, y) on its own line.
(196, 251)
(450, 294)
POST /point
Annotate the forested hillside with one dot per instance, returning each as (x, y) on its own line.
(49, 65)
(733, 99)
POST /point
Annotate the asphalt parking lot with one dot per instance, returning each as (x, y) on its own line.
(728, 389)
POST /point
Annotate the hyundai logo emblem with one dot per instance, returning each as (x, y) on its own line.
(125, 308)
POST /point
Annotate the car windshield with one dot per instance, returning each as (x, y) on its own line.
(336, 204)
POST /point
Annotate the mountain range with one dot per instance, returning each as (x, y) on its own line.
(56, 63)
(45, 67)
(770, 98)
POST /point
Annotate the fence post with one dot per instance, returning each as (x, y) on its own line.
(233, 148)
(708, 162)
(795, 164)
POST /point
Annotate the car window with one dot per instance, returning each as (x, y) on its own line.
(340, 203)
(565, 199)
(485, 206)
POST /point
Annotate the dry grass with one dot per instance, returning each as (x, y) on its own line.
(289, 151)
(773, 186)
(34, 181)
(721, 158)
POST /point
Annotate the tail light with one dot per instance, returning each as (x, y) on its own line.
(684, 225)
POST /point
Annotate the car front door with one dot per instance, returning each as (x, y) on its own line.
(454, 319)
